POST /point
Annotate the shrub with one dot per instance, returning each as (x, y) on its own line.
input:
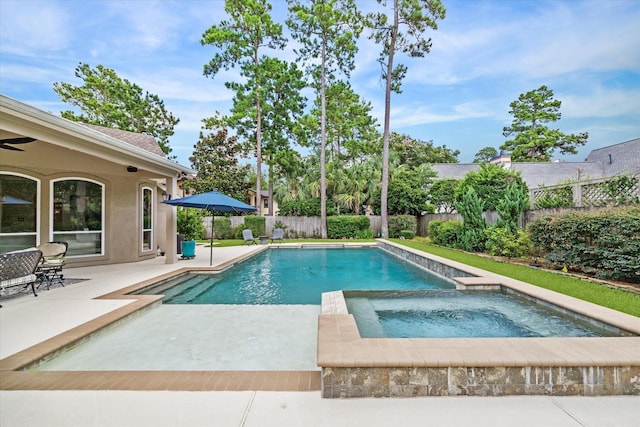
(473, 223)
(445, 233)
(189, 223)
(364, 234)
(510, 208)
(255, 224)
(407, 234)
(222, 228)
(346, 226)
(401, 222)
(604, 243)
(502, 242)
(490, 183)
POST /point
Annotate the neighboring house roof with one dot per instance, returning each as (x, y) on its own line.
(618, 158)
(141, 140)
(625, 158)
(263, 193)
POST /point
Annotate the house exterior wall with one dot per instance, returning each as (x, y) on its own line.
(122, 198)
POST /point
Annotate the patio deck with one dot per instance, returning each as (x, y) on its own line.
(27, 321)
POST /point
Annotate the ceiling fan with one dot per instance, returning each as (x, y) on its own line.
(7, 143)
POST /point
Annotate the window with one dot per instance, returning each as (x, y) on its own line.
(78, 215)
(147, 219)
(265, 203)
(18, 212)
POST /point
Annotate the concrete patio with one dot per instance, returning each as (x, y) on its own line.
(26, 321)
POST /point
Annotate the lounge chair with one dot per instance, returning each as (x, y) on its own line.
(278, 234)
(247, 235)
(50, 269)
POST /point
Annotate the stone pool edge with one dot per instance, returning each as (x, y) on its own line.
(352, 366)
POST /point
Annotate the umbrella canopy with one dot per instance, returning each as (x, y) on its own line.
(10, 200)
(212, 201)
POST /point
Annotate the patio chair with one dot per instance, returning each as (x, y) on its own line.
(278, 234)
(50, 269)
(247, 235)
(18, 268)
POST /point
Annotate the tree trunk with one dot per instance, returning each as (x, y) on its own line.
(323, 146)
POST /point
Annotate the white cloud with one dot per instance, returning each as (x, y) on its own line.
(33, 25)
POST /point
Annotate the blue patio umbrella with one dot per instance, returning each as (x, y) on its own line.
(10, 200)
(212, 201)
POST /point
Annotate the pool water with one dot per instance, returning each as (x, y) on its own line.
(297, 276)
(463, 314)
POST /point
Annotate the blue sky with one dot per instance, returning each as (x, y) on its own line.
(485, 53)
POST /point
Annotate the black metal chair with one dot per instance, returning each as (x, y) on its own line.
(19, 269)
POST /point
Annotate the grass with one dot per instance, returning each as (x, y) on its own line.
(620, 300)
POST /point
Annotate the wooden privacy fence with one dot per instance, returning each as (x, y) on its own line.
(309, 226)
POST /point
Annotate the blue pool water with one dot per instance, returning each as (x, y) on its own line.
(463, 314)
(297, 276)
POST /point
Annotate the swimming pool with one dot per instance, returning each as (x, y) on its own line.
(297, 276)
(459, 313)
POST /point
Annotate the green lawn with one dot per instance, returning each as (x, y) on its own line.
(620, 300)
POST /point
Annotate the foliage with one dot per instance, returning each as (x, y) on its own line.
(407, 234)
(397, 223)
(533, 140)
(346, 226)
(254, 223)
(510, 208)
(407, 192)
(238, 42)
(445, 233)
(511, 244)
(624, 301)
(215, 158)
(415, 153)
(222, 228)
(485, 154)
(405, 33)
(107, 100)
(364, 234)
(442, 194)
(473, 223)
(189, 222)
(490, 182)
(305, 207)
(326, 31)
(603, 243)
(619, 190)
(559, 197)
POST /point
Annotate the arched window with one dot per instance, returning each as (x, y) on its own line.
(18, 211)
(78, 215)
(147, 219)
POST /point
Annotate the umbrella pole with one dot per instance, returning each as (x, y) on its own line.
(211, 243)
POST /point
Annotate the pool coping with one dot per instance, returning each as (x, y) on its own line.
(353, 366)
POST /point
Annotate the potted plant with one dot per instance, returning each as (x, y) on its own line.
(190, 225)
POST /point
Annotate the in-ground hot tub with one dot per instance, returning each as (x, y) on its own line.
(354, 366)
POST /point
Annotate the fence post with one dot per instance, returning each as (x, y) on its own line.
(576, 189)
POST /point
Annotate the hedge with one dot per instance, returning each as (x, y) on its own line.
(222, 228)
(397, 223)
(346, 226)
(254, 223)
(604, 243)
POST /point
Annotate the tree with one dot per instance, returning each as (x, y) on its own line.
(107, 100)
(485, 154)
(281, 105)
(240, 41)
(470, 207)
(415, 16)
(216, 158)
(414, 152)
(442, 194)
(533, 140)
(327, 31)
(513, 203)
(490, 183)
(407, 193)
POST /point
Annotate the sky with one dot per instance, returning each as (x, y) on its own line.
(484, 54)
